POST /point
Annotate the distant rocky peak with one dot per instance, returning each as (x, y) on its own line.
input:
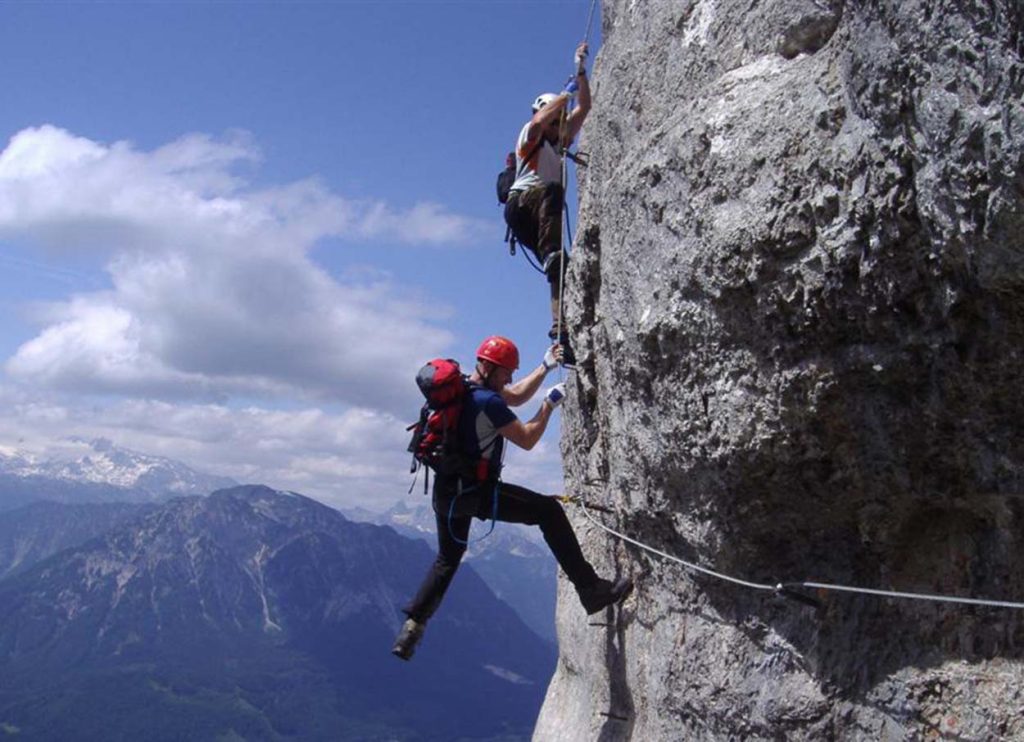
(102, 444)
(100, 461)
(280, 506)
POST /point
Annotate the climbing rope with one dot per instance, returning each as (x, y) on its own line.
(564, 149)
(565, 154)
(786, 588)
(568, 226)
(590, 21)
(563, 124)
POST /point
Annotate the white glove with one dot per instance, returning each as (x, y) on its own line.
(552, 358)
(555, 395)
(581, 57)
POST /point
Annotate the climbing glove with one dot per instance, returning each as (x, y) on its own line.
(555, 395)
(581, 57)
(550, 359)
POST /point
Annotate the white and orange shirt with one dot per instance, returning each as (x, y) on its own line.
(544, 167)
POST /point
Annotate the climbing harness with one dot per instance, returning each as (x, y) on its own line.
(526, 254)
(494, 512)
(790, 590)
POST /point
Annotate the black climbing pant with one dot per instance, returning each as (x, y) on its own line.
(515, 505)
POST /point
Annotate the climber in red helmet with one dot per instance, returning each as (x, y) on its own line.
(486, 422)
(534, 208)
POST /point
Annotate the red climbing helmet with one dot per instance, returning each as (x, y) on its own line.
(499, 351)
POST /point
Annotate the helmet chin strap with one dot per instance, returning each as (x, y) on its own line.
(484, 375)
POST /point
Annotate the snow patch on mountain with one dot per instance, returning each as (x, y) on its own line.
(101, 462)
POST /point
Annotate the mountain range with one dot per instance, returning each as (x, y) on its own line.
(248, 614)
(513, 560)
(103, 473)
(40, 529)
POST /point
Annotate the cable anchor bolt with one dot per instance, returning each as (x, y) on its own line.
(791, 593)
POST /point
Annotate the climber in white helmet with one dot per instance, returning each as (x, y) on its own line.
(534, 207)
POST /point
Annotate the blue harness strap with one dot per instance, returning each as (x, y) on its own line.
(494, 512)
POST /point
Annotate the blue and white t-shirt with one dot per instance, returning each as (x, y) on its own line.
(543, 168)
(484, 411)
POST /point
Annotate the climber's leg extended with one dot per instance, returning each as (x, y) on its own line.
(520, 505)
(441, 572)
(450, 531)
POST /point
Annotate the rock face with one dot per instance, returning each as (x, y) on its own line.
(798, 297)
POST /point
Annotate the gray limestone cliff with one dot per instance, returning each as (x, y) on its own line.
(797, 293)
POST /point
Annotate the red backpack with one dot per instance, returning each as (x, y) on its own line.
(435, 437)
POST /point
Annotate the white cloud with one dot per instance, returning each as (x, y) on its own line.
(427, 222)
(214, 299)
(356, 457)
(347, 458)
(213, 291)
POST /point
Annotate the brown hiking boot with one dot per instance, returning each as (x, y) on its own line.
(604, 593)
(408, 638)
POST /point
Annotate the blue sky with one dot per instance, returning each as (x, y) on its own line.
(230, 231)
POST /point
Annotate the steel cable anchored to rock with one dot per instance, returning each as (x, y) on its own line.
(787, 589)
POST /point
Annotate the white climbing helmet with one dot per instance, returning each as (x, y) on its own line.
(542, 100)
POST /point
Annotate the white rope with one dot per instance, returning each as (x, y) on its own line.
(590, 20)
(806, 584)
(688, 565)
(913, 596)
(565, 184)
(561, 233)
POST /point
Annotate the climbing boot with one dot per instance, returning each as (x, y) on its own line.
(408, 638)
(604, 593)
